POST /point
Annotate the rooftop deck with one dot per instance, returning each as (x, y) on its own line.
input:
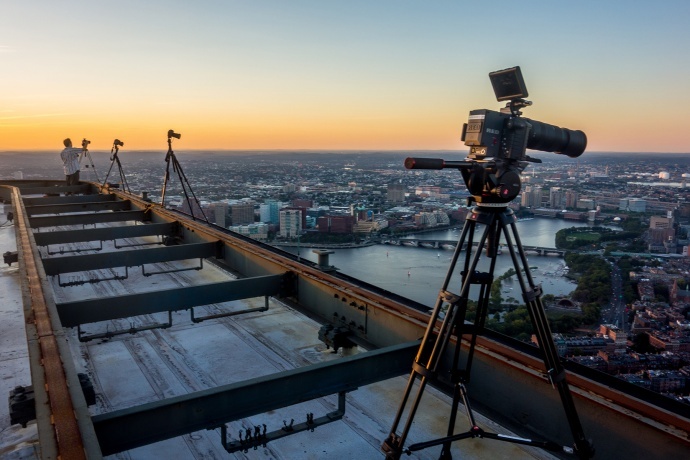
(185, 329)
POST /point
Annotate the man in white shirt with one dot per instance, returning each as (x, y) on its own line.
(70, 160)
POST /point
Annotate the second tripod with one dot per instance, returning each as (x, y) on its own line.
(115, 159)
(497, 220)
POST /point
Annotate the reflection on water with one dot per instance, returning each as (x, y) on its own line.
(418, 273)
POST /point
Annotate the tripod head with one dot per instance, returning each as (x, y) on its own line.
(490, 182)
(116, 147)
(171, 134)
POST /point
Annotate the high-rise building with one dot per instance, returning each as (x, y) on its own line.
(556, 197)
(571, 198)
(290, 223)
(242, 214)
(302, 210)
(220, 211)
(531, 196)
(269, 212)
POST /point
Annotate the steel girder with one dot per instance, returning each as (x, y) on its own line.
(87, 219)
(137, 426)
(103, 234)
(130, 258)
(106, 308)
(63, 208)
(45, 200)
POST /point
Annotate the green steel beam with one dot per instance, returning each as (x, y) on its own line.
(106, 308)
(103, 234)
(87, 219)
(44, 200)
(126, 429)
(131, 258)
(53, 189)
(78, 207)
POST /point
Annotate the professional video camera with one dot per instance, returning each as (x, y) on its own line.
(498, 143)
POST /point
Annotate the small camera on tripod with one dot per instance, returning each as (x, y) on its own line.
(172, 133)
(118, 142)
(84, 143)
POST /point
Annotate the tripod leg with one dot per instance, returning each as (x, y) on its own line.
(427, 362)
(183, 180)
(554, 367)
(123, 179)
(109, 169)
(166, 177)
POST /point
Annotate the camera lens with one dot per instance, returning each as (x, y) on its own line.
(550, 138)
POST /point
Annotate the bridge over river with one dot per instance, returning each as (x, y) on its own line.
(450, 244)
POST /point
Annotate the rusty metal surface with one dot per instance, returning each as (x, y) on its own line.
(67, 434)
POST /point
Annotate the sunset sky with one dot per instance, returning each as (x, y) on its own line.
(337, 75)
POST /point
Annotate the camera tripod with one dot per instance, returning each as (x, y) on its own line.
(177, 167)
(115, 159)
(86, 154)
(498, 219)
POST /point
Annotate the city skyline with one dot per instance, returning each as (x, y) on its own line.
(337, 76)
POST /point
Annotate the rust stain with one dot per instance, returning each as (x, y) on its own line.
(67, 433)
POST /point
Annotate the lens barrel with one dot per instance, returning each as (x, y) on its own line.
(550, 138)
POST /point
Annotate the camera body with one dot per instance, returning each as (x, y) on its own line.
(84, 143)
(499, 141)
(505, 135)
(172, 133)
(500, 135)
(118, 142)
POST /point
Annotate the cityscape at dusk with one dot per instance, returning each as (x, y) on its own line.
(337, 75)
(226, 224)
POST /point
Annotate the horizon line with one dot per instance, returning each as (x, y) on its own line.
(533, 152)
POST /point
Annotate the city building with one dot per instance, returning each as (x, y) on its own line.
(269, 211)
(257, 231)
(220, 211)
(335, 224)
(242, 213)
(396, 193)
(291, 223)
(556, 197)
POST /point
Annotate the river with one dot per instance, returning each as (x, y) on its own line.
(418, 273)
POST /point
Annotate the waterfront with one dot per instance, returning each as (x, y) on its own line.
(418, 273)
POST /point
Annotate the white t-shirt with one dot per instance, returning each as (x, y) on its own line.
(70, 160)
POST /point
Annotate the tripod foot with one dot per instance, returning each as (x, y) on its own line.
(391, 447)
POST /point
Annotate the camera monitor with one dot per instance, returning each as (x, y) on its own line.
(508, 84)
